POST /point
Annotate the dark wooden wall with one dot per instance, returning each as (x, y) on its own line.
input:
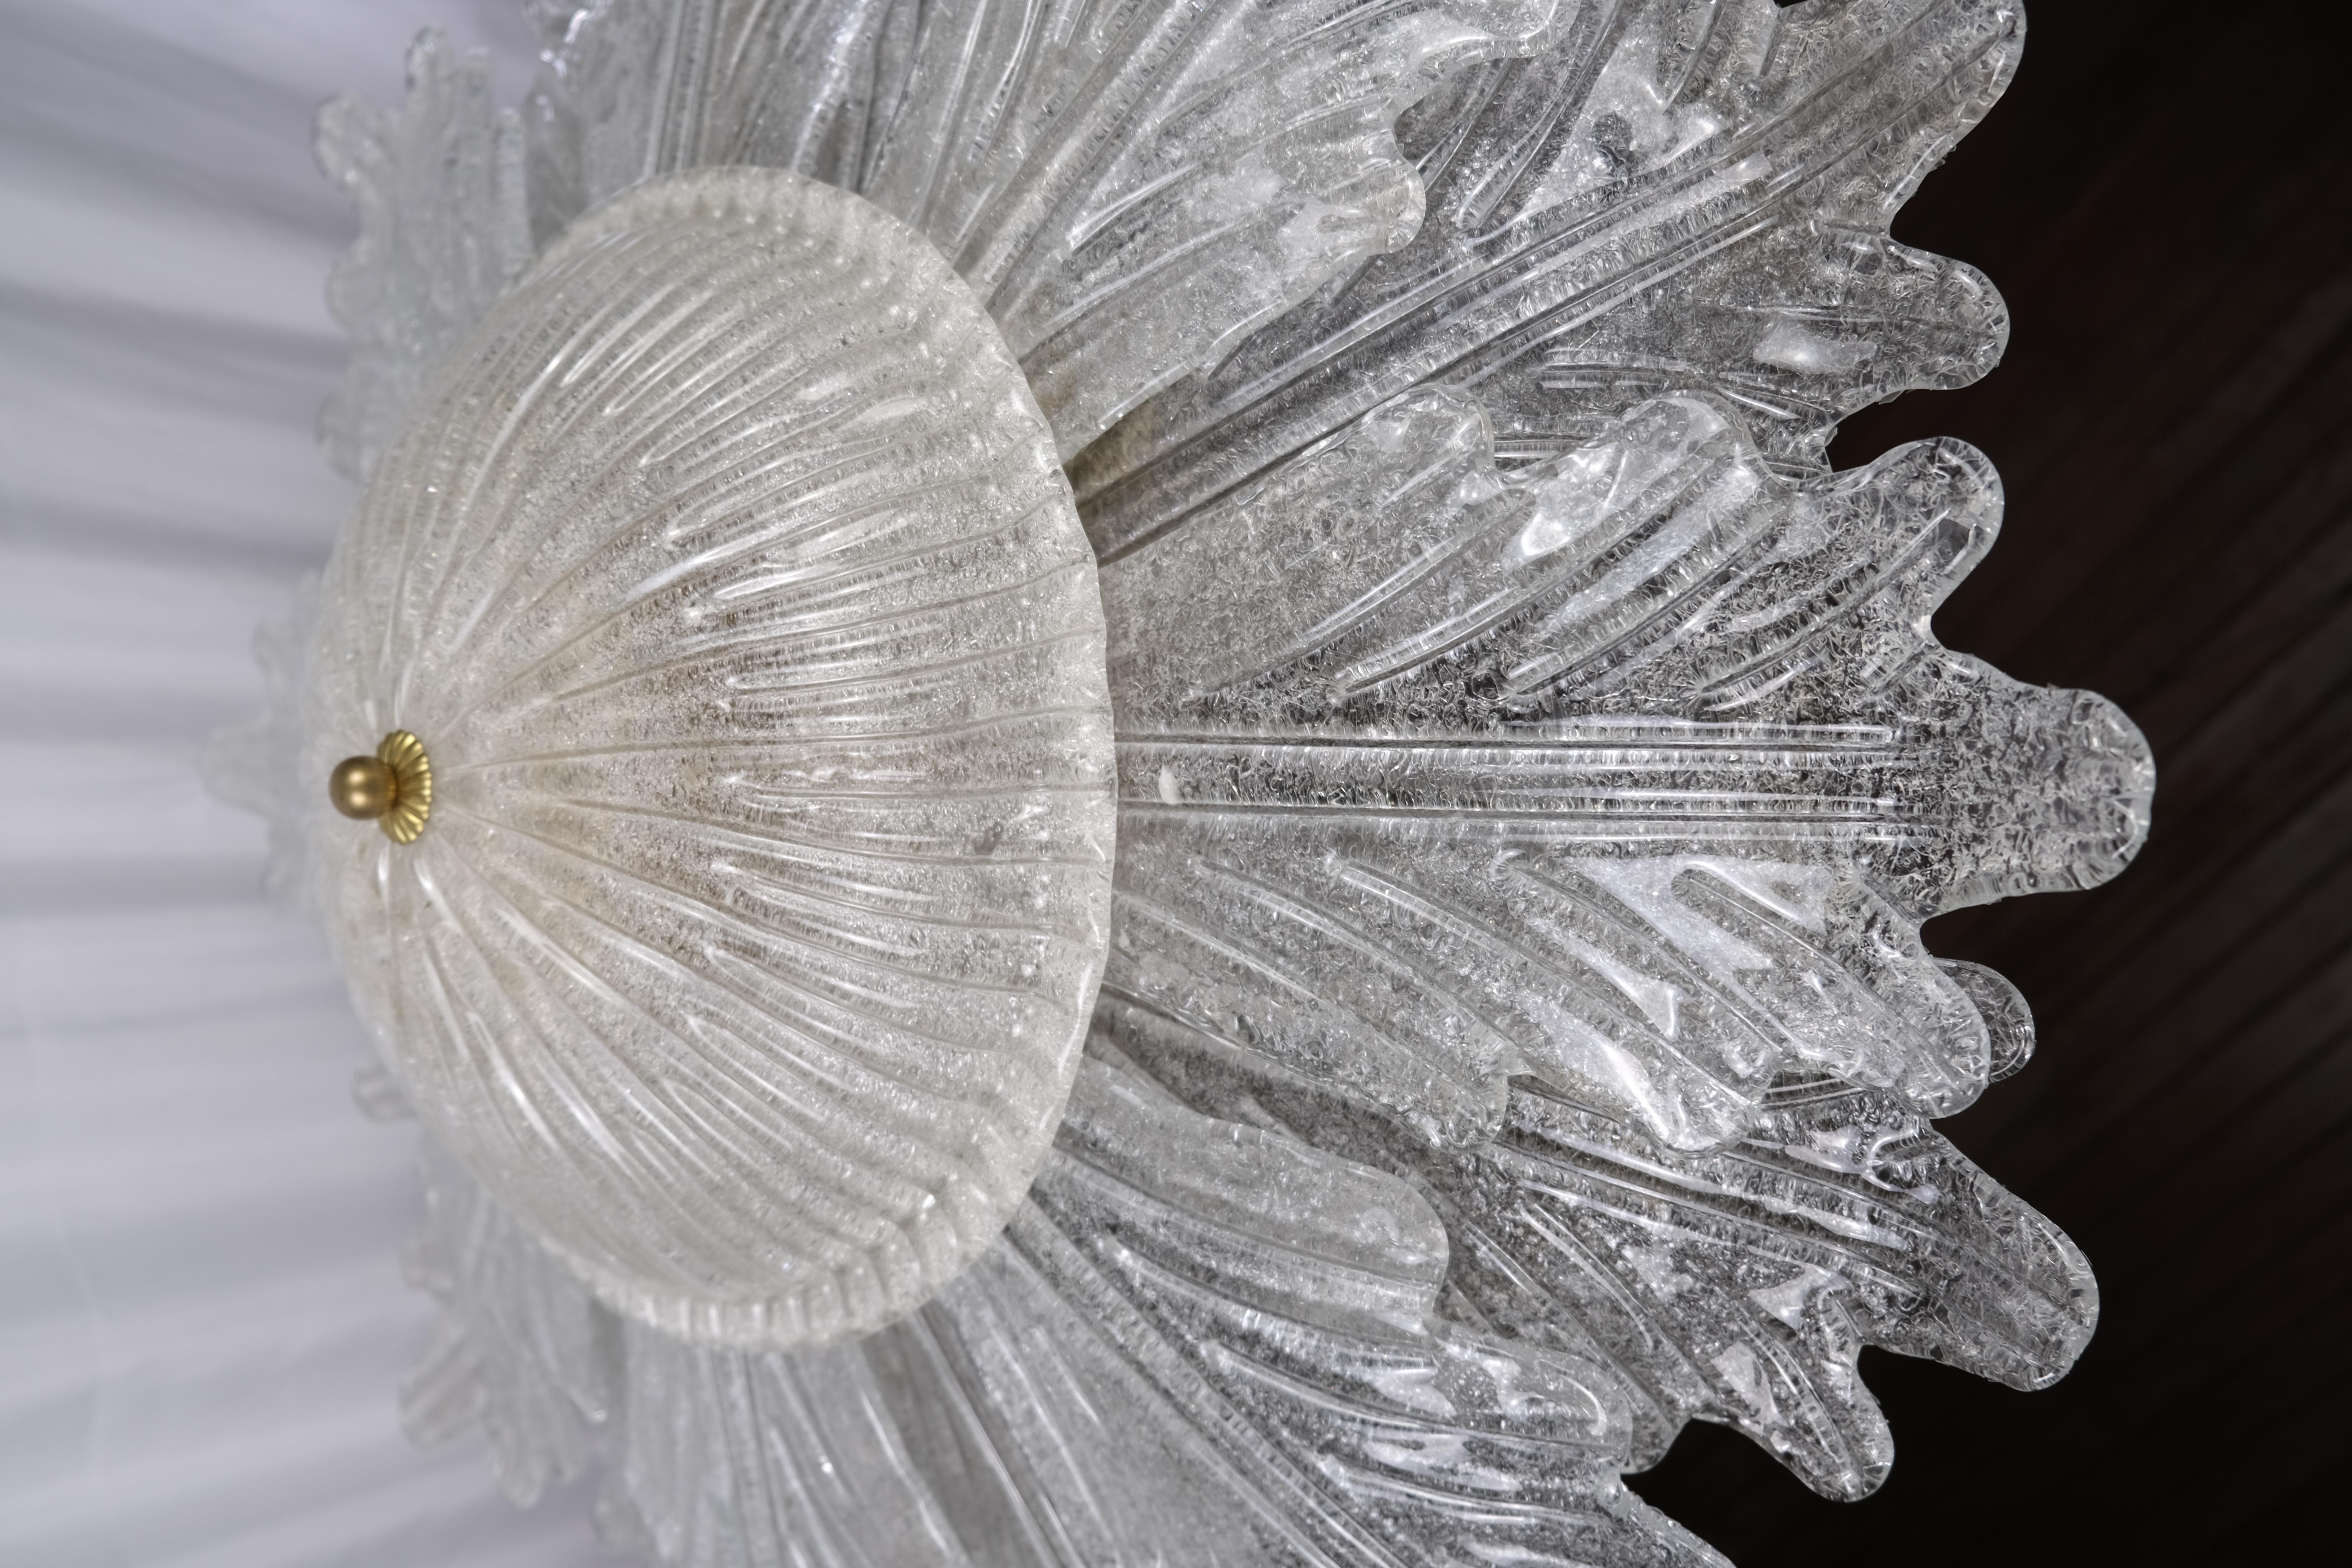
(2165, 198)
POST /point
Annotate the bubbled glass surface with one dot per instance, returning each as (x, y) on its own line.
(735, 592)
(1532, 764)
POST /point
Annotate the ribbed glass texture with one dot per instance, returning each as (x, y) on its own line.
(734, 591)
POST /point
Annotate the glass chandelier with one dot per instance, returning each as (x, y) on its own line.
(1122, 785)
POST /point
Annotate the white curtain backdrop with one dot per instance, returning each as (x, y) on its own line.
(201, 1319)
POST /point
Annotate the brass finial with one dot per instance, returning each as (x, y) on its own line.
(393, 788)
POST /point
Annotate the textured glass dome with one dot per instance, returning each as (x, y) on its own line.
(1529, 765)
(732, 588)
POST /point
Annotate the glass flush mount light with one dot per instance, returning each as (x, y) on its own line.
(1121, 787)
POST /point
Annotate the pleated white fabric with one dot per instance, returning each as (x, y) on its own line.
(202, 1320)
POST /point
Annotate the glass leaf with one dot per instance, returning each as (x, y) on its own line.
(1196, 1333)
(1633, 770)
(1736, 1286)
(1132, 188)
(438, 186)
(1681, 196)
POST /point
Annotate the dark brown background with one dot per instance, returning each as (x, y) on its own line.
(2165, 198)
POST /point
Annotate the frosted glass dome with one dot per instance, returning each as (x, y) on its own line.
(733, 590)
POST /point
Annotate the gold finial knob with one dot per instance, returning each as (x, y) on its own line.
(393, 788)
(363, 787)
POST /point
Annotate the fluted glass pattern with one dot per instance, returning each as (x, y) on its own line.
(734, 590)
